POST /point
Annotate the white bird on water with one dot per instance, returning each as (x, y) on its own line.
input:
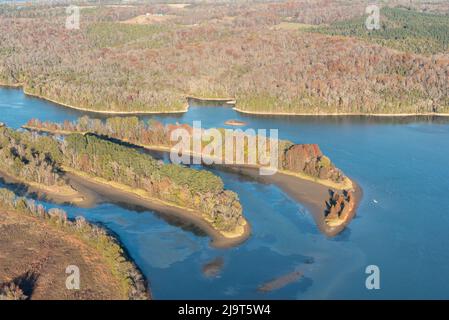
(375, 201)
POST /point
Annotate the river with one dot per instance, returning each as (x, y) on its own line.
(401, 224)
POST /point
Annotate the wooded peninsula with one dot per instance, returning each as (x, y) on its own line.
(298, 161)
(45, 162)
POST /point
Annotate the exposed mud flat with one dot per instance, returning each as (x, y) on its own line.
(280, 282)
(66, 194)
(187, 219)
(309, 193)
(213, 268)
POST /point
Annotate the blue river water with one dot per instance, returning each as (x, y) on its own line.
(401, 226)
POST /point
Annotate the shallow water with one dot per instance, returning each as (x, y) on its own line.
(401, 226)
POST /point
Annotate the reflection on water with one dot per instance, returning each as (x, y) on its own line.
(213, 268)
(281, 281)
(399, 162)
(21, 189)
(170, 219)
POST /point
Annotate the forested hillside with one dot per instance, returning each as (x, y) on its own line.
(401, 29)
(272, 57)
(29, 232)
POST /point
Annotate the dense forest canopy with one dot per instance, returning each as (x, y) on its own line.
(271, 56)
(305, 159)
(402, 29)
(42, 159)
(111, 160)
(190, 188)
(30, 157)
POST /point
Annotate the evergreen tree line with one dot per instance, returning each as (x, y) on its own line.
(292, 157)
(196, 189)
(37, 158)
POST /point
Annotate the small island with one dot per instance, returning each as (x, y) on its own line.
(236, 123)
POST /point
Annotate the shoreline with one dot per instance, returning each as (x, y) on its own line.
(340, 114)
(119, 192)
(346, 185)
(50, 131)
(75, 198)
(235, 123)
(70, 245)
(327, 183)
(16, 86)
(66, 105)
(311, 195)
(231, 102)
(318, 209)
(308, 191)
(300, 176)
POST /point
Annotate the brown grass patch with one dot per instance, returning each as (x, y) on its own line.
(147, 19)
(178, 5)
(29, 246)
